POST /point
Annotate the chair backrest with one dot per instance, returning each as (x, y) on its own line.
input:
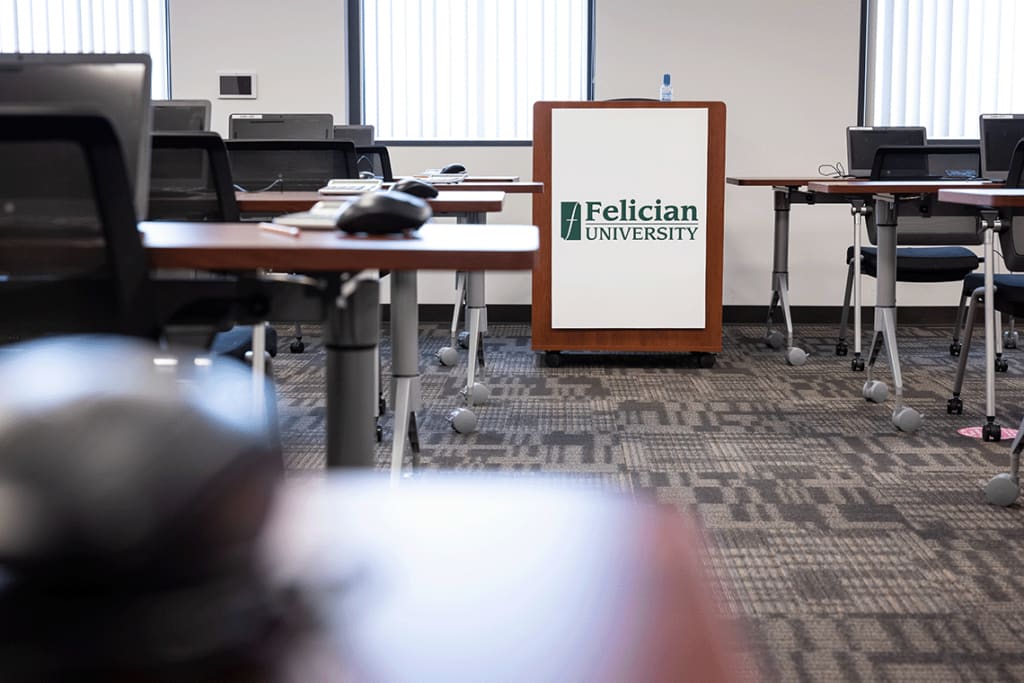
(376, 160)
(360, 136)
(71, 258)
(289, 164)
(281, 126)
(925, 220)
(1011, 241)
(190, 178)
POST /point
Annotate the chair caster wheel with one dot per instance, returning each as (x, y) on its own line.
(1002, 365)
(296, 347)
(906, 419)
(991, 431)
(1001, 490)
(842, 349)
(955, 348)
(1011, 339)
(875, 391)
(463, 339)
(795, 356)
(380, 434)
(477, 394)
(706, 360)
(775, 340)
(447, 356)
(857, 364)
(553, 359)
(463, 420)
(955, 406)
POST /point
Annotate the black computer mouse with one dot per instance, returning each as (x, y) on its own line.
(415, 187)
(384, 213)
(454, 168)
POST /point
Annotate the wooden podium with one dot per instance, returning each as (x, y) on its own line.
(631, 226)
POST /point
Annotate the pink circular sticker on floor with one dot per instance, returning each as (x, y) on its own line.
(1006, 434)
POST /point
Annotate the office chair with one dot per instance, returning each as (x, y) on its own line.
(376, 160)
(922, 221)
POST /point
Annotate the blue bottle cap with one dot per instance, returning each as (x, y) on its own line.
(666, 79)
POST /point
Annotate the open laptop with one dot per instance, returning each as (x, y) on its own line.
(1000, 134)
(863, 141)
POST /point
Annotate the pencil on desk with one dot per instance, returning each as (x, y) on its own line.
(289, 230)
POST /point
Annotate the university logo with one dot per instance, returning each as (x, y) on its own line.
(626, 221)
(571, 221)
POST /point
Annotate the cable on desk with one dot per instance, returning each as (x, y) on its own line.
(262, 189)
(835, 170)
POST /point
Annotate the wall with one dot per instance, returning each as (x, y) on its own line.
(787, 72)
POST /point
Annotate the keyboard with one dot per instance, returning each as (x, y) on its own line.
(350, 186)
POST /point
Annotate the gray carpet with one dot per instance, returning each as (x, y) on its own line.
(847, 551)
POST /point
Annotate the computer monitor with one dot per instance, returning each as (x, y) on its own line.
(926, 162)
(114, 85)
(290, 164)
(281, 126)
(863, 141)
(999, 136)
(179, 116)
(360, 136)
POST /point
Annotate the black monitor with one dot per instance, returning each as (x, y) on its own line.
(281, 126)
(114, 85)
(360, 136)
(181, 116)
(926, 162)
(289, 164)
(863, 141)
(999, 136)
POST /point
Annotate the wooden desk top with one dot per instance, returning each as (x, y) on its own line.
(445, 202)
(514, 187)
(769, 181)
(478, 579)
(893, 186)
(244, 246)
(990, 198)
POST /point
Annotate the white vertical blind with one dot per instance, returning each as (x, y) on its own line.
(942, 63)
(469, 69)
(107, 26)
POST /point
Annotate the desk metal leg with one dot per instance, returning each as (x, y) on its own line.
(449, 355)
(405, 369)
(780, 283)
(904, 417)
(351, 334)
(464, 420)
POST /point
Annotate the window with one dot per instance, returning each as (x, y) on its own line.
(942, 63)
(89, 26)
(467, 69)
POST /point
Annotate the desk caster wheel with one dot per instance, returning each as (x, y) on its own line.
(297, 346)
(553, 359)
(477, 394)
(447, 356)
(857, 364)
(955, 348)
(991, 431)
(875, 391)
(463, 339)
(1002, 365)
(842, 349)
(1011, 339)
(795, 356)
(955, 406)
(463, 420)
(775, 340)
(906, 419)
(706, 360)
(1001, 490)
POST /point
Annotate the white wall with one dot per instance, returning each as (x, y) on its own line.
(787, 72)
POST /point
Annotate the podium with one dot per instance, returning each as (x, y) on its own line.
(631, 226)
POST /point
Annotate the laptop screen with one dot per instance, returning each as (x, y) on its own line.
(863, 141)
(999, 135)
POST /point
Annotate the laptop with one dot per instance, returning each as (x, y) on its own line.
(863, 141)
(1000, 134)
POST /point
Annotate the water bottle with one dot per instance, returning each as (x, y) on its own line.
(666, 88)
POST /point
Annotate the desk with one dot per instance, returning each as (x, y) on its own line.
(511, 187)
(886, 195)
(349, 303)
(445, 203)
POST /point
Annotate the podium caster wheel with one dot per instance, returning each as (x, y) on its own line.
(447, 356)
(463, 339)
(875, 391)
(1002, 365)
(1001, 490)
(906, 419)
(553, 359)
(857, 364)
(296, 347)
(955, 406)
(991, 431)
(463, 420)
(1011, 339)
(842, 349)
(706, 360)
(955, 348)
(775, 340)
(477, 394)
(795, 356)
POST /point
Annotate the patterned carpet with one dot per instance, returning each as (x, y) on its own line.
(848, 551)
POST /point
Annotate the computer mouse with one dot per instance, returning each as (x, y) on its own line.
(367, 175)
(415, 187)
(384, 213)
(454, 168)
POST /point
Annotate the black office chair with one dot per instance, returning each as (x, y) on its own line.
(260, 165)
(375, 159)
(922, 221)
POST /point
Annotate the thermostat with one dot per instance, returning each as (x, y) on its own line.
(237, 86)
